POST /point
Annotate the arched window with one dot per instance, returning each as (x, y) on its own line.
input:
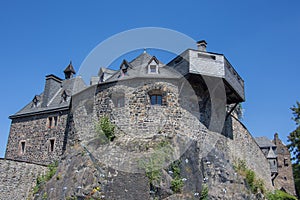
(156, 97)
(118, 99)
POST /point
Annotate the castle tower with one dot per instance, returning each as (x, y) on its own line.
(284, 180)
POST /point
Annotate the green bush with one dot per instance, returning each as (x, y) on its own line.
(104, 126)
(256, 185)
(52, 168)
(177, 184)
(280, 195)
(204, 192)
(154, 163)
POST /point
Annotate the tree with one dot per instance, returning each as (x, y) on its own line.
(294, 146)
(294, 137)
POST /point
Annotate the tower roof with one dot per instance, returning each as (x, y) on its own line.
(70, 68)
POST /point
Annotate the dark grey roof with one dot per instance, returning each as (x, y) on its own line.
(106, 70)
(264, 142)
(141, 60)
(70, 68)
(68, 86)
(137, 68)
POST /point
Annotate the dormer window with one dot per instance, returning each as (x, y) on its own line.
(124, 68)
(153, 66)
(65, 96)
(36, 101)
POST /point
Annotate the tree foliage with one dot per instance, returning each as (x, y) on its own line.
(294, 146)
(294, 137)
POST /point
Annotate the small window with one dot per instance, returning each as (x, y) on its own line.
(153, 68)
(156, 99)
(52, 142)
(118, 100)
(285, 161)
(55, 120)
(50, 122)
(285, 178)
(22, 147)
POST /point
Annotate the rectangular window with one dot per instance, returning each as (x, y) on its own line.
(23, 147)
(153, 68)
(50, 122)
(121, 101)
(55, 120)
(156, 99)
(285, 161)
(52, 141)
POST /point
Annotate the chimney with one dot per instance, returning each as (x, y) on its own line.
(276, 139)
(202, 45)
(53, 84)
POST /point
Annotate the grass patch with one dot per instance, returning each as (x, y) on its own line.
(280, 195)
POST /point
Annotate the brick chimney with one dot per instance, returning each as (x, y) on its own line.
(202, 45)
(53, 84)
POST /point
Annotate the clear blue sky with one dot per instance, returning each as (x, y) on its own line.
(260, 38)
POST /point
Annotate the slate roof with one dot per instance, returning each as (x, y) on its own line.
(264, 142)
(68, 86)
(137, 68)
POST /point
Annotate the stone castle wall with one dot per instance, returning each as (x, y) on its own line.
(244, 147)
(18, 178)
(36, 135)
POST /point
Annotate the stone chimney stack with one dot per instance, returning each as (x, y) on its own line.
(53, 84)
(202, 45)
(276, 139)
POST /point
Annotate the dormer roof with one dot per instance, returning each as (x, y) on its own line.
(271, 154)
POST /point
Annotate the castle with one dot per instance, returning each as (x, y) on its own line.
(180, 102)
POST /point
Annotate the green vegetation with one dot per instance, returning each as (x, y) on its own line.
(105, 128)
(294, 147)
(177, 182)
(71, 198)
(280, 195)
(204, 192)
(154, 163)
(41, 180)
(255, 185)
(45, 196)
